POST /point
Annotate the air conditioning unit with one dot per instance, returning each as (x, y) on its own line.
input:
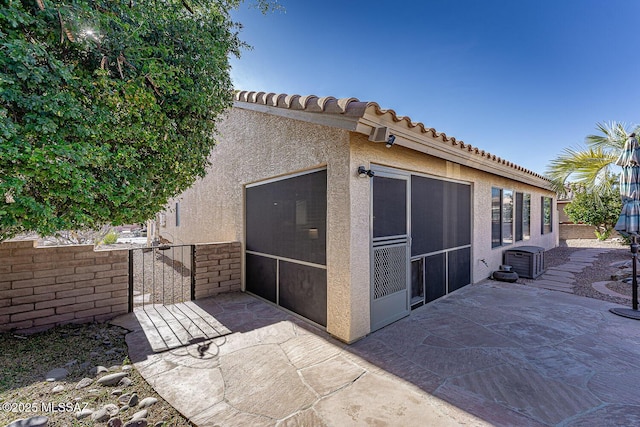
(527, 261)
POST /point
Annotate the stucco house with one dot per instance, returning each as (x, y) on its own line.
(350, 215)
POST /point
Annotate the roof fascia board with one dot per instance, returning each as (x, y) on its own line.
(326, 119)
(436, 148)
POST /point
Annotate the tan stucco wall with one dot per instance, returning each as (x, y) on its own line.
(364, 152)
(562, 215)
(256, 146)
(253, 147)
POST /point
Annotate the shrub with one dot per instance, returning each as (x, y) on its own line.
(110, 238)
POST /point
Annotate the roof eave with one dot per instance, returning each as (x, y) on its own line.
(364, 117)
(426, 140)
(340, 121)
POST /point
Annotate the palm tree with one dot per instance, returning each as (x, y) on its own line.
(592, 167)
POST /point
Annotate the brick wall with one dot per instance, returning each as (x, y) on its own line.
(44, 286)
(217, 268)
(577, 231)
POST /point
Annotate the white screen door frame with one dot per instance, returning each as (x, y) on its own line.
(390, 246)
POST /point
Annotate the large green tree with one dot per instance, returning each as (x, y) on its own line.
(108, 108)
(591, 167)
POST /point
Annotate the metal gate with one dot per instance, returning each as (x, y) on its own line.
(161, 275)
(161, 294)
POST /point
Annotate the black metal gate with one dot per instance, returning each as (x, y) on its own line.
(161, 275)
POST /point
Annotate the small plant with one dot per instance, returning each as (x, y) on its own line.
(111, 238)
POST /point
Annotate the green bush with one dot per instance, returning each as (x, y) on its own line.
(108, 108)
(599, 210)
(110, 238)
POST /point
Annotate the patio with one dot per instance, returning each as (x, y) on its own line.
(484, 355)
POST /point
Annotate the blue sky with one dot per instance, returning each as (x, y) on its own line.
(522, 79)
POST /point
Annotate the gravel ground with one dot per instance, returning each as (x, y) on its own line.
(86, 353)
(600, 271)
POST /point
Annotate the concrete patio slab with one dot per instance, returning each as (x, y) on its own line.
(489, 354)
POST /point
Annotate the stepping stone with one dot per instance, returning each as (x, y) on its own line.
(557, 273)
(574, 269)
(553, 288)
(602, 288)
(553, 283)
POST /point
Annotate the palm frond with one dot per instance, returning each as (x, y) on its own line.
(611, 138)
(589, 167)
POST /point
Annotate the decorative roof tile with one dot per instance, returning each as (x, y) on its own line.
(353, 107)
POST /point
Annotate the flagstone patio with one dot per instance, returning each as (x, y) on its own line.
(488, 354)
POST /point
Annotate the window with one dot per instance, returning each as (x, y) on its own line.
(547, 216)
(507, 217)
(286, 256)
(510, 217)
(496, 217)
(523, 216)
(177, 214)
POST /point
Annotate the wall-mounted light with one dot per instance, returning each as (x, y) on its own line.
(390, 141)
(364, 172)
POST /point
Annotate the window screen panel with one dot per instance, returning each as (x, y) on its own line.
(549, 220)
(519, 216)
(457, 214)
(435, 276)
(459, 268)
(547, 216)
(389, 206)
(261, 276)
(427, 215)
(303, 290)
(417, 280)
(496, 217)
(440, 215)
(526, 216)
(507, 217)
(288, 218)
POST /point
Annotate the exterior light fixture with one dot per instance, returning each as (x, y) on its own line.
(363, 172)
(390, 141)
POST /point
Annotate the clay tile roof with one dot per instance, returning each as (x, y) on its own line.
(328, 104)
(353, 107)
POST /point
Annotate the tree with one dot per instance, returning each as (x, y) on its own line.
(601, 211)
(592, 166)
(108, 108)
